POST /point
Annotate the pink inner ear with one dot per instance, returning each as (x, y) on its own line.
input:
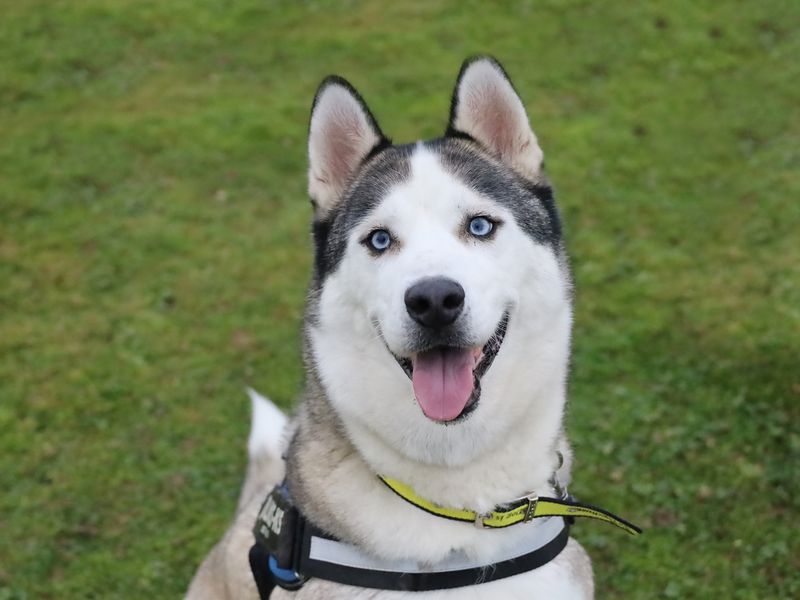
(340, 136)
(495, 120)
(343, 136)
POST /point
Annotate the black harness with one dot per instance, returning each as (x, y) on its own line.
(286, 554)
(290, 549)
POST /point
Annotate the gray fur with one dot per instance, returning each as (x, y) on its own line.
(318, 446)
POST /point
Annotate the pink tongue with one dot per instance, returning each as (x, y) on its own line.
(443, 381)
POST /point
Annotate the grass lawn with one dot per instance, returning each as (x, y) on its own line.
(154, 252)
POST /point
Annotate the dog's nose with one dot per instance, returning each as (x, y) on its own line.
(435, 302)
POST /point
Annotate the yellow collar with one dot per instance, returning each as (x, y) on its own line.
(520, 510)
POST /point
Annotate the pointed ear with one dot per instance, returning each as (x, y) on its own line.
(486, 107)
(342, 133)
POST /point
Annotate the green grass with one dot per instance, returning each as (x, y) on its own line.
(154, 253)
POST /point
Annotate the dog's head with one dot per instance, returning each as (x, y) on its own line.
(440, 307)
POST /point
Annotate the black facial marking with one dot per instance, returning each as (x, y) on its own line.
(382, 145)
(320, 231)
(531, 203)
(387, 167)
(545, 195)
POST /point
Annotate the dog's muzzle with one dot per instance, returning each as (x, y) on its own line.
(447, 377)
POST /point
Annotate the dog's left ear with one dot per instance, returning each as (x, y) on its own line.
(341, 134)
(486, 107)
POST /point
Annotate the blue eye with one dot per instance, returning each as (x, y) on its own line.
(380, 240)
(480, 226)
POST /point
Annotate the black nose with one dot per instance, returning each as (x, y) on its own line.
(435, 302)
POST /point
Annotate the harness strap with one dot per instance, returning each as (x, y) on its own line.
(265, 582)
(326, 558)
(290, 549)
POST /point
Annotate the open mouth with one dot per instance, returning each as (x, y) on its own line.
(447, 379)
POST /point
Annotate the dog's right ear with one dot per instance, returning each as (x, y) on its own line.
(342, 133)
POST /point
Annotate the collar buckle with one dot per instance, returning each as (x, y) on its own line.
(529, 502)
(533, 500)
(479, 518)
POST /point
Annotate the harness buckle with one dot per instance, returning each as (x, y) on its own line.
(533, 500)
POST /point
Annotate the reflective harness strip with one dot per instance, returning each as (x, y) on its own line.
(338, 553)
(347, 564)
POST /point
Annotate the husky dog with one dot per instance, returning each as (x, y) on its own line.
(436, 345)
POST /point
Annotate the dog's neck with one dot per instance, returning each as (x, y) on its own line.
(337, 487)
(523, 461)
